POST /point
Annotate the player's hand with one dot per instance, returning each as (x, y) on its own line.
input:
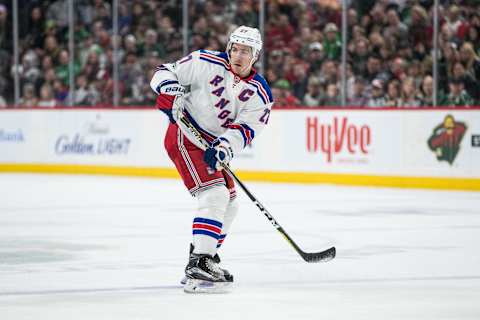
(177, 108)
(171, 87)
(170, 99)
(172, 106)
(219, 153)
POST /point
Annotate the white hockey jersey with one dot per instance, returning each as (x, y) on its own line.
(217, 101)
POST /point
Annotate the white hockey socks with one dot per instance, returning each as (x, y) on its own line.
(230, 214)
(208, 223)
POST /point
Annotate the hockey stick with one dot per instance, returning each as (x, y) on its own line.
(321, 256)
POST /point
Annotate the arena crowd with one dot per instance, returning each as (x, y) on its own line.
(389, 50)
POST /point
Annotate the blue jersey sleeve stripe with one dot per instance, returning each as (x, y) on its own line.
(247, 133)
(248, 129)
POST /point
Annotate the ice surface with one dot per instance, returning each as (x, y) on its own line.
(93, 247)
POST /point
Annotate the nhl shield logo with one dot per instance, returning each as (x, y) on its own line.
(446, 138)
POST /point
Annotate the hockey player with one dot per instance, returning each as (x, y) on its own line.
(229, 103)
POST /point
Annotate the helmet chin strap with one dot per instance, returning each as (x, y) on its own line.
(252, 61)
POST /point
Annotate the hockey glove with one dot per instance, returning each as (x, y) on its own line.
(171, 87)
(170, 99)
(218, 153)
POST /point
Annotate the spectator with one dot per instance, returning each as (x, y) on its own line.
(374, 67)
(83, 94)
(457, 96)
(453, 19)
(151, 44)
(271, 76)
(131, 73)
(473, 36)
(377, 100)
(60, 91)
(51, 47)
(101, 11)
(58, 11)
(427, 91)
(49, 75)
(445, 66)
(332, 96)
(29, 98)
(245, 14)
(393, 97)
(470, 60)
(29, 71)
(409, 93)
(5, 27)
(315, 57)
(63, 70)
(313, 97)
(352, 20)
(328, 72)
(471, 85)
(282, 94)
(414, 71)
(332, 43)
(419, 27)
(396, 29)
(32, 34)
(300, 80)
(360, 56)
(398, 68)
(46, 97)
(359, 97)
(130, 44)
(280, 33)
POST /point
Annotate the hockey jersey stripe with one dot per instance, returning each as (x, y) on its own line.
(161, 67)
(261, 90)
(215, 57)
(247, 133)
(207, 135)
(215, 62)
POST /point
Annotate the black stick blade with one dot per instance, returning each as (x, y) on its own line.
(322, 256)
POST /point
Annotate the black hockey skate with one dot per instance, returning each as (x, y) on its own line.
(217, 260)
(205, 276)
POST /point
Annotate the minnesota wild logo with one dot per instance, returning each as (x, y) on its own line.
(446, 138)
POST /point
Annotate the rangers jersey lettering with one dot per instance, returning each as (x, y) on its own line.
(218, 102)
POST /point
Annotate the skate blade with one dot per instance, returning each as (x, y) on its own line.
(202, 286)
(183, 281)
